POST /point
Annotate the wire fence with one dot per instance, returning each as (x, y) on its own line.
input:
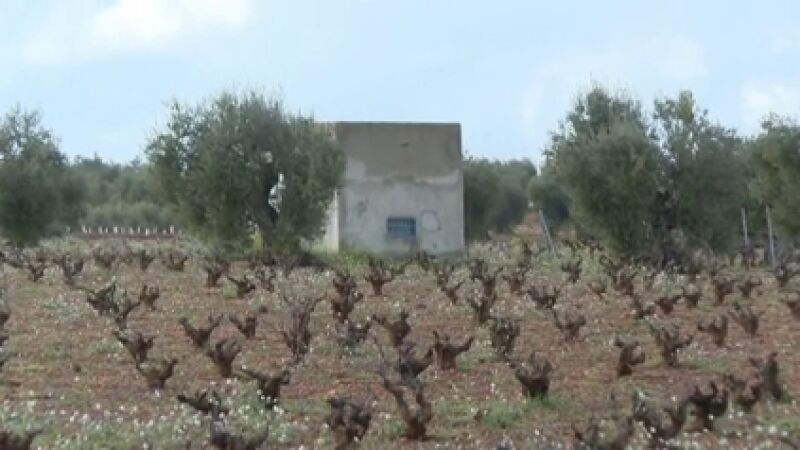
(124, 232)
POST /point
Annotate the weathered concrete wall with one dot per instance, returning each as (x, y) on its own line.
(401, 170)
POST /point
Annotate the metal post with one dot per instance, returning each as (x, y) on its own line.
(771, 239)
(744, 228)
(543, 221)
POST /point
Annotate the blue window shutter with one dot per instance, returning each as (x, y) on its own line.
(401, 227)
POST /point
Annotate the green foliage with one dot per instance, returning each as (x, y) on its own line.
(140, 213)
(503, 415)
(38, 194)
(510, 414)
(776, 159)
(480, 187)
(120, 194)
(241, 162)
(547, 195)
(610, 161)
(495, 195)
(705, 167)
(352, 260)
(609, 167)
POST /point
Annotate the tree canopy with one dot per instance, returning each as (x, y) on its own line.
(38, 194)
(776, 163)
(641, 180)
(547, 196)
(241, 162)
(495, 194)
(616, 165)
(704, 167)
(120, 194)
(607, 164)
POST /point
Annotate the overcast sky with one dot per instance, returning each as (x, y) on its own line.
(101, 72)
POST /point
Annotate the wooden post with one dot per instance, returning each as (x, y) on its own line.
(543, 221)
(771, 239)
(744, 228)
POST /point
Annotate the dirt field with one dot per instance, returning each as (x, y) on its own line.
(69, 375)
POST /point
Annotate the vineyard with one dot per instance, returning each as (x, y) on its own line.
(109, 344)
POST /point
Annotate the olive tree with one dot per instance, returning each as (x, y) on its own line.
(704, 165)
(776, 158)
(609, 167)
(39, 195)
(240, 163)
(655, 186)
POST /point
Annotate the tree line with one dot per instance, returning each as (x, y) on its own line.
(641, 181)
(668, 179)
(226, 170)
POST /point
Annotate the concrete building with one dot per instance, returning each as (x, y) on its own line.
(403, 189)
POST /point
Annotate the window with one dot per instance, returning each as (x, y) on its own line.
(401, 227)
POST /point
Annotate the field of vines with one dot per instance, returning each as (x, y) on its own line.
(160, 345)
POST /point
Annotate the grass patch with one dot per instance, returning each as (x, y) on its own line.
(307, 408)
(392, 429)
(56, 351)
(284, 433)
(789, 424)
(503, 415)
(716, 366)
(352, 260)
(105, 434)
(19, 420)
(228, 290)
(457, 413)
(549, 403)
(64, 308)
(105, 346)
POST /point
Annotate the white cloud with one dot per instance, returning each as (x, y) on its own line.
(759, 99)
(84, 29)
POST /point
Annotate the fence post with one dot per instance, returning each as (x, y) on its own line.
(744, 228)
(771, 238)
(543, 221)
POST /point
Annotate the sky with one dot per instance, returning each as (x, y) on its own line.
(102, 72)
